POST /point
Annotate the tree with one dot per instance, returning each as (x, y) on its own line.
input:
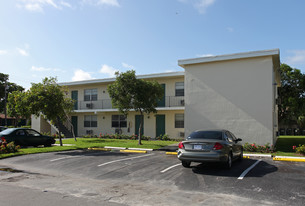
(11, 87)
(128, 92)
(49, 99)
(17, 105)
(291, 95)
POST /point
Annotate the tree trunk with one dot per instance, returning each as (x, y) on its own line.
(141, 123)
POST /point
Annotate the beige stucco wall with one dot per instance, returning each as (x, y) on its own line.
(40, 124)
(102, 87)
(104, 123)
(235, 94)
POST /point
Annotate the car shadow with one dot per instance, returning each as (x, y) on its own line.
(213, 169)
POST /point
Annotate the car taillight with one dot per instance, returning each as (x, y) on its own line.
(217, 146)
(181, 145)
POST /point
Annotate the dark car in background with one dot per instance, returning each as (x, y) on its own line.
(210, 146)
(26, 137)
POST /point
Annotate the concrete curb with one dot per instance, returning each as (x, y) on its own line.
(99, 149)
(257, 155)
(64, 144)
(289, 159)
(141, 149)
(115, 148)
(133, 151)
(171, 153)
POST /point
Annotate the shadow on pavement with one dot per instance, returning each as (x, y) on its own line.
(213, 169)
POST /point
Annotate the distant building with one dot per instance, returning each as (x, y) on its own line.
(11, 121)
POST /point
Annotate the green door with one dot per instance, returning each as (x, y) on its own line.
(74, 96)
(161, 103)
(138, 121)
(74, 123)
(160, 125)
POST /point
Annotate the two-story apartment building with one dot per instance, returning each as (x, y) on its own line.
(237, 92)
(94, 114)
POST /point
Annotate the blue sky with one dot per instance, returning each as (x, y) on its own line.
(86, 39)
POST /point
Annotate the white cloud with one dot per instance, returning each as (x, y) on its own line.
(80, 75)
(230, 29)
(44, 69)
(3, 52)
(110, 71)
(109, 2)
(127, 66)
(200, 5)
(38, 5)
(66, 4)
(204, 55)
(22, 52)
(297, 57)
(102, 2)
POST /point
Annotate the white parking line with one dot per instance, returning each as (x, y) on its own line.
(170, 168)
(63, 158)
(123, 159)
(247, 170)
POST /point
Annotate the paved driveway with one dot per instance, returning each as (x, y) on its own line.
(156, 178)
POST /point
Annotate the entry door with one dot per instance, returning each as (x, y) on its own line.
(160, 125)
(74, 96)
(161, 103)
(138, 121)
(74, 123)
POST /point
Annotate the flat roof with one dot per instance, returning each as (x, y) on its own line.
(261, 53)
(106, 80)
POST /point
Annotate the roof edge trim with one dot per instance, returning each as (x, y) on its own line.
(271, 52)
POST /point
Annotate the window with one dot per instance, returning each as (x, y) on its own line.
(179, 120)
(119, 121)
(90, 95)
(179, 88)
(90, 121)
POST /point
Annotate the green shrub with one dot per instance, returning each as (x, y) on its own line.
(257, 148)
(300, 149)
(6, 148)
(164, 137)
(27, 127)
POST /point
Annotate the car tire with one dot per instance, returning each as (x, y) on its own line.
(186, 164)
(49, 144)
(241, 156)
(228, 163)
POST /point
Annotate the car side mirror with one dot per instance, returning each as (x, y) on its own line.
(239, 140)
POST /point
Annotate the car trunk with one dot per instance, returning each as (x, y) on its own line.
(203, 145)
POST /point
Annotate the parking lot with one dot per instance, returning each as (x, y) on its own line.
(156, 178)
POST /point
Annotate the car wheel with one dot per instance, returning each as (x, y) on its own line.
(241, 156)
(186, 164)
(49, 144)
(229, 161)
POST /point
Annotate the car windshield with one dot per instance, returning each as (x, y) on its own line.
(7, 131)
(206, 135)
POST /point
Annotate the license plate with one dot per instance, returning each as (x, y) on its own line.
(198, 147)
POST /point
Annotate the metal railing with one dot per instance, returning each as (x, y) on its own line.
(168, 101)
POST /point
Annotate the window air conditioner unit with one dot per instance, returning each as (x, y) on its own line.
(182, 102)
(181, 134)
(89, 105)
(118, 131)
(89, 132)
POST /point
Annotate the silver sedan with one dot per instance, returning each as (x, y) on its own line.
(210, 146)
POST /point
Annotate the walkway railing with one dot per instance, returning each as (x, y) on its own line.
(168, 101)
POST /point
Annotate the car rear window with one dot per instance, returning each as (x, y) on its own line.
(206, 135)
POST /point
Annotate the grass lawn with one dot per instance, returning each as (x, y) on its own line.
(284, 145)
(84, 143)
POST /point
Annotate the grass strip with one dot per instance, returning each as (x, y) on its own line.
(85, 143)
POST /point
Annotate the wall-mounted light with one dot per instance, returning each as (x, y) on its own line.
(103, 117)
(148, 117)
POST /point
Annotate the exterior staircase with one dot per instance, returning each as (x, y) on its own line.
(63, 129)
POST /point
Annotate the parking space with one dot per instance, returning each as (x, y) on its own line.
(259, 178)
